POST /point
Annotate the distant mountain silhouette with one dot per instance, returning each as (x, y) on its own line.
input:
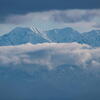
(65, 35)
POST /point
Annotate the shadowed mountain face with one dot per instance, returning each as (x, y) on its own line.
(25, 35)
(64, 35)
(92, 38)
(69, 35)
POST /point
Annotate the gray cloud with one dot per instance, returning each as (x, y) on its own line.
(73, 16)
(13, 7)
(63, 16)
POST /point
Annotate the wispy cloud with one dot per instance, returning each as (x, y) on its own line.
(82, 20)
(64, 16)
(74, 16)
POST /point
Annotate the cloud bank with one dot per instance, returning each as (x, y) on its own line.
(63, 16)
(50, 71)
(51, 55)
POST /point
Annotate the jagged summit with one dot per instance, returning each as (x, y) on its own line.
(21, 35)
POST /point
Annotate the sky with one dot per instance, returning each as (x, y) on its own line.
(82, 15)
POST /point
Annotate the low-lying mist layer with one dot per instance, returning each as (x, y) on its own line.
(51, 55)
(50, 71)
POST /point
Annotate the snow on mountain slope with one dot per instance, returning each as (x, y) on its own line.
(70, 35)
(25, 35)
(63, 35)
(21, 36)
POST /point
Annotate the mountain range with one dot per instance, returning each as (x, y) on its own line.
(21, 35)
(58, 70)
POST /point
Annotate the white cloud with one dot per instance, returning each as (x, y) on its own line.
(51, 55)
